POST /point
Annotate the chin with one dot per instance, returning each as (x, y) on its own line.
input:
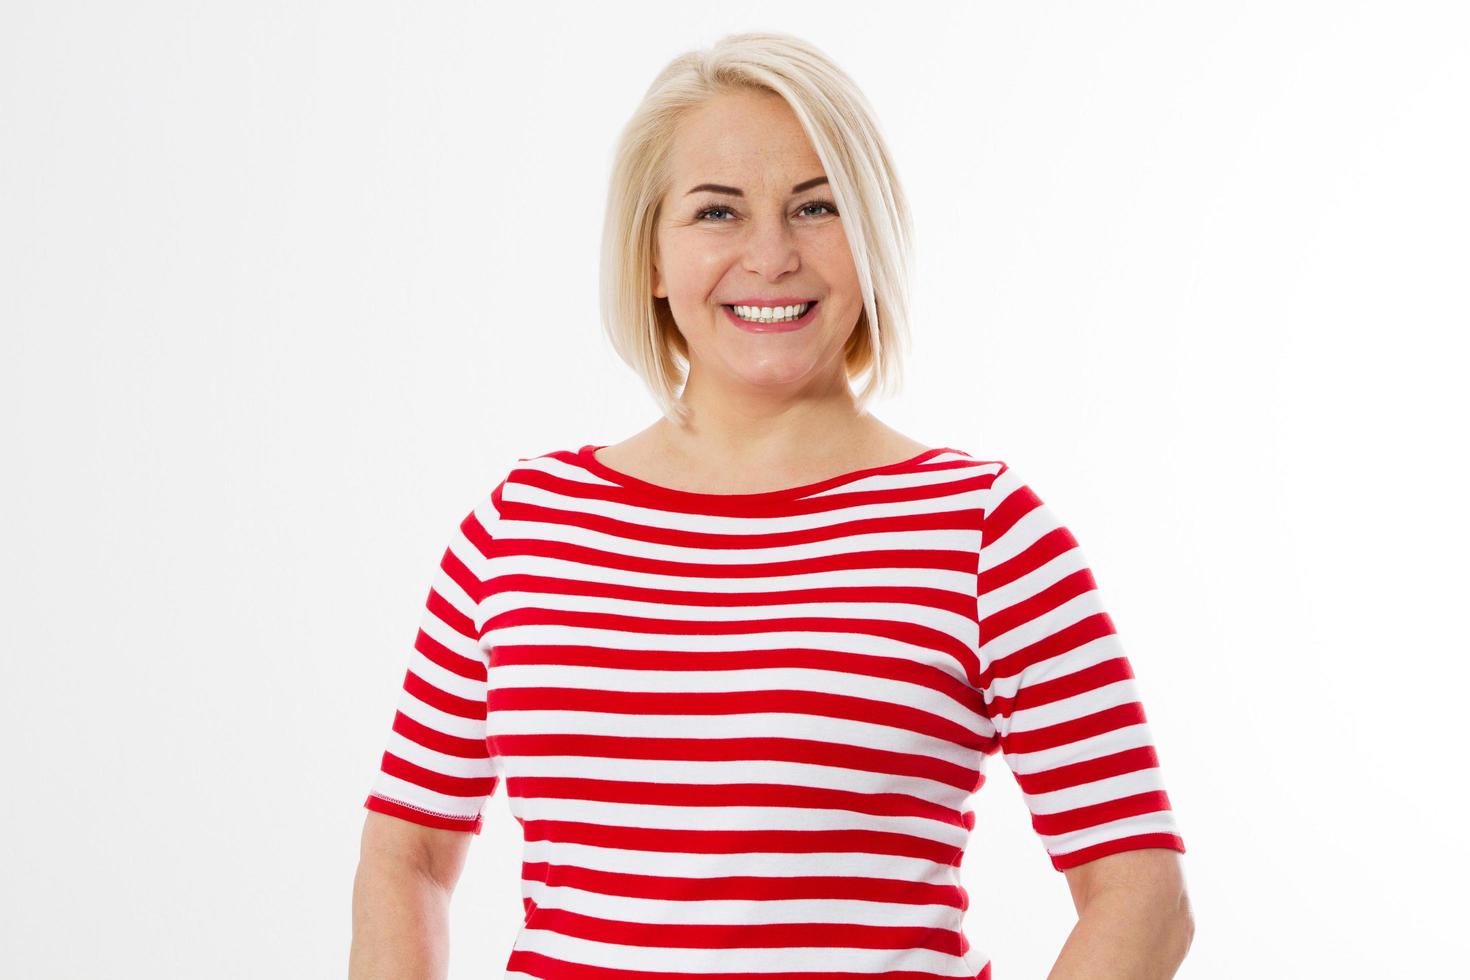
(774, 374)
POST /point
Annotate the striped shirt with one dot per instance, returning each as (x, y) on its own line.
(740, 731)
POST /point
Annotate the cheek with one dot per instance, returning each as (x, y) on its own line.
(832, 257)
(693, 268)
(709, 263)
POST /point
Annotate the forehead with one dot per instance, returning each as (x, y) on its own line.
(746, 139)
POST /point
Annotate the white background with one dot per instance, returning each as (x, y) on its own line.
(286, 286)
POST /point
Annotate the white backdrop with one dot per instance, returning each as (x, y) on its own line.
(286, 286)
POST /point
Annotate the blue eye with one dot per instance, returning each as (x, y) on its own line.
(703, 214)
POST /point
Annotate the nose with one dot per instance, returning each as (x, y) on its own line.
(771, 249)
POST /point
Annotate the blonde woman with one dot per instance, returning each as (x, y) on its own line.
(740, 673)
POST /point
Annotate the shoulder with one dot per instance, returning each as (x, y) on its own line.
(488, 501)
(513, 474)
(986, 469)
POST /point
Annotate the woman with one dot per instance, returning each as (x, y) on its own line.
(741, 672)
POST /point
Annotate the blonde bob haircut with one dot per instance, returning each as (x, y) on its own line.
(843, 131)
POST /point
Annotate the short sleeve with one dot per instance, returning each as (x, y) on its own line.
(1059, 689)
(437, 769)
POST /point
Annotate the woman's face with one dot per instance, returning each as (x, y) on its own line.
(756, 240)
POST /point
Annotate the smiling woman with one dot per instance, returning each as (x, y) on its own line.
(741, 674)
(754, 314)
(755, 176)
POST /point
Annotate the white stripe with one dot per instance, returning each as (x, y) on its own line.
(839, 733)
(1082, 750)
(427, 758)
(440, 721)
(684, 961)
(1095, 792)
(717, 584)
(737, 681)
(754, 912)
(1060, 712)
(738, 818)
(411, 794)
(734, 772)
(1158, 822)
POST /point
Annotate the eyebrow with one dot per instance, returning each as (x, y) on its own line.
(737, 192)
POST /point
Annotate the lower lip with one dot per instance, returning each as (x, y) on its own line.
(783, 327)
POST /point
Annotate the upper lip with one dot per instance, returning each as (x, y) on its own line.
(773, 301)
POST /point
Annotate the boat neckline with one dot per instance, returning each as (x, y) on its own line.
(586, 456)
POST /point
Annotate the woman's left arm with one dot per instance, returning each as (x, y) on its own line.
(1133, 918)
(1068, 715)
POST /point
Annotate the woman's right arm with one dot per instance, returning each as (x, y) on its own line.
(406, 875)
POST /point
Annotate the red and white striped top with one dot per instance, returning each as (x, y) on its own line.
(740, 731)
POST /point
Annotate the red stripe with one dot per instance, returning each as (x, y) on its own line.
(738, 888)
(597, 560)
(450, 704)
(1037, 606)
(663, 840)
(697, 705)
(777, 935)
(1055, 644)
(1103, 767)
(541, 965)
(1088, 726)
(380, 805)
(441, 742)
(1043, 692)
(455, 663)
(1064, 861)
(1084, 817)
(734, 794)
(438, 782)
(752, 749)
(446, 613)
(905, 669)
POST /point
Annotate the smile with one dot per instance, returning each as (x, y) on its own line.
(768, 319)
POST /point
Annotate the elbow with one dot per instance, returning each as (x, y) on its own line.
(1172, 926)
(1181, 929)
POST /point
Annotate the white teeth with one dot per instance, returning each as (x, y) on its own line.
(771, 314)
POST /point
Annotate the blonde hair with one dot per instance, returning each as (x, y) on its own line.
(843, 131)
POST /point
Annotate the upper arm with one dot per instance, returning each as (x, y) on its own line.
(436, 853)
(437, 768)
(1155, 872)
(1061, 693)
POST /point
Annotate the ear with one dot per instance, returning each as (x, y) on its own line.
(659, 290)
